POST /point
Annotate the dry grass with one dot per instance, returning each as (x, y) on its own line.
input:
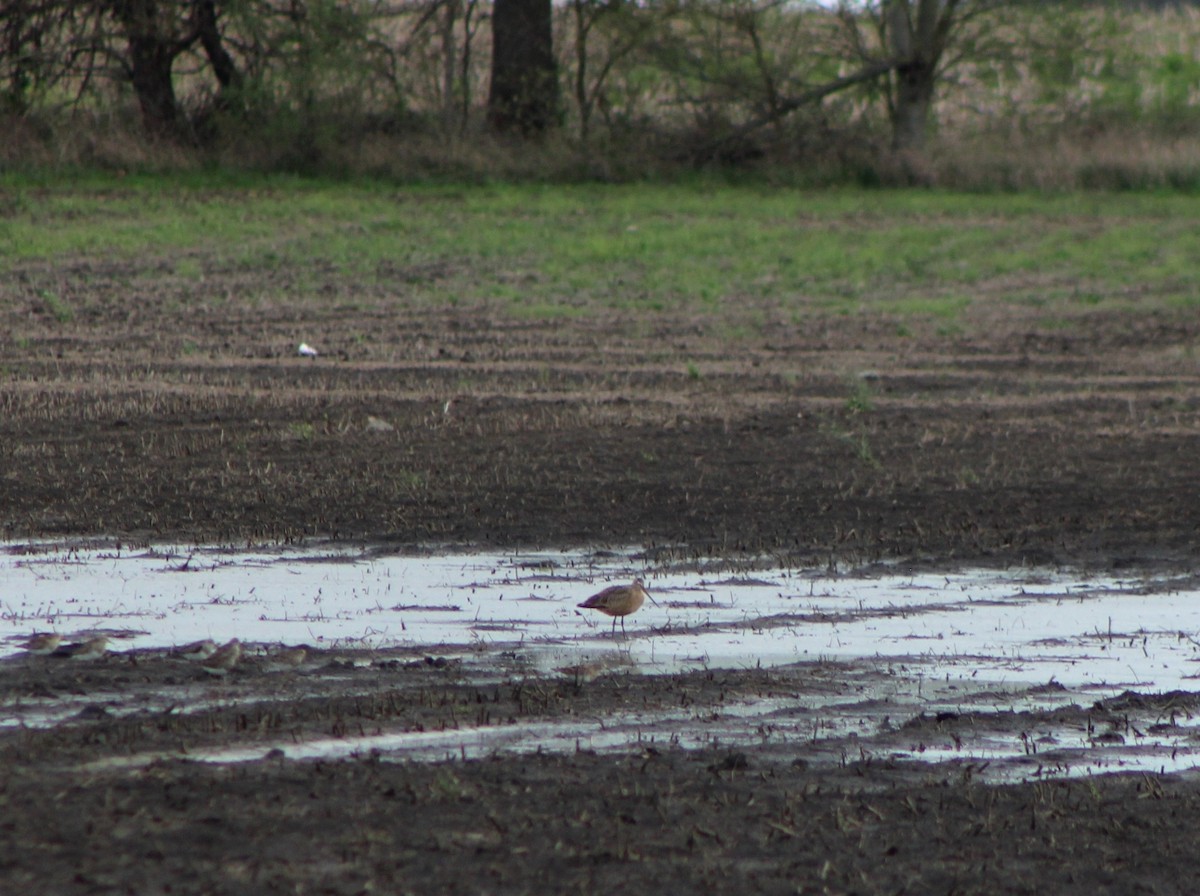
(1111, 158)
(1069, 160)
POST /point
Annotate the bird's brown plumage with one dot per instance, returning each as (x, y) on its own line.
(42, 644)
(91, 649)
(223, 659)
(197, 650)
(618, 601)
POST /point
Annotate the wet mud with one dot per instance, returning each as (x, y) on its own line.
(140, 789)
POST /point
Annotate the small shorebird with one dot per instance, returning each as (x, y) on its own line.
(618, 601)
(91, 649)
(42, 644)
(223, 659)
(197, 650)
(286, 658)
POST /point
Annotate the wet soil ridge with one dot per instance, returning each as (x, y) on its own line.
(136, 707)
(828, 813)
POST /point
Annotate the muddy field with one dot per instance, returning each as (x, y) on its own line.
(157, 414)
(77, 819)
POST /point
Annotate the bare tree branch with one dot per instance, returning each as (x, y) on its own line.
(788, 105)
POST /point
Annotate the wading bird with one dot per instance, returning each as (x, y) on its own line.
(197, 650)
(42, 644)
(223, 659)
(618, 601)
(286, 658)
(91, 649)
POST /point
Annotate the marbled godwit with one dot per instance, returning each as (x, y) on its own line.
(223, 659)
(618, 601)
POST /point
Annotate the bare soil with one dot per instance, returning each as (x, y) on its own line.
(155, 411)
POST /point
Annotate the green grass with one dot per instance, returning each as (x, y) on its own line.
(860, 400)
(58, 308)
(556, 251)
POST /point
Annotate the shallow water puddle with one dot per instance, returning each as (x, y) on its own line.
(967, 641)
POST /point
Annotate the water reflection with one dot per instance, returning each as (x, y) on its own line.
(965, 638)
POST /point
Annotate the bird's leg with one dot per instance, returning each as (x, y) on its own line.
(613, 634)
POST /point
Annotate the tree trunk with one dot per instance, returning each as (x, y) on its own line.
(917, 32)
(14, 22)
(449, 65)
(915, 82)
(222, 63)
(150, 62)
(524, 93)
(151, 55)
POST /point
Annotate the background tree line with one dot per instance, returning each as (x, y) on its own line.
(683, 80)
